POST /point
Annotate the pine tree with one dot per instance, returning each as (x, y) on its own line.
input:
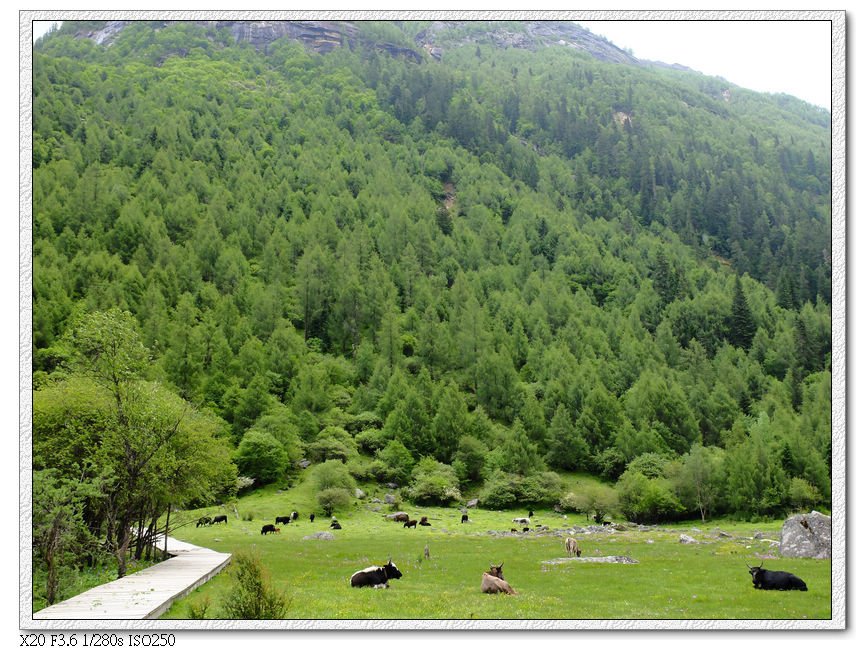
(741, 325)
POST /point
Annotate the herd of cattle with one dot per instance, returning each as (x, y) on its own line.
(493, 581)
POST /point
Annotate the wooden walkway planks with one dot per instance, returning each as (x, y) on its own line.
(147, 593)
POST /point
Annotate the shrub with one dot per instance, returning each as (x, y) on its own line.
(371, 440)
(332, 474)
(251, 596)
(596, 500)
(198, 610)
(500, 491)
(261, 456)
(433, 483)
(647, 500)
(332, 443)
(544, 488)
(333, 499)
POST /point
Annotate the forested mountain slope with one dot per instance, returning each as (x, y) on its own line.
(459, 269)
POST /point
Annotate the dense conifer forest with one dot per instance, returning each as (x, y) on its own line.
(466, 274)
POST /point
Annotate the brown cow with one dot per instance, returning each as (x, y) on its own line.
(494, 582)
(571, 547)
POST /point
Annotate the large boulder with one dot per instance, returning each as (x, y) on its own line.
(807, 535)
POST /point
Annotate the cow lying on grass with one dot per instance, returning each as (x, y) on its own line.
(494, 582)
(780, 580)
(376, 576)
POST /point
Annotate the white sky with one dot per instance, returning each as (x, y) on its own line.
(777, 56)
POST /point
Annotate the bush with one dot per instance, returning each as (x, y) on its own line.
(647, 500)
(332, 474)
(596, 500)
(261, 456)
(371, 440)
(198, 610)
(332, 443)
(433, 483)
(500, 491)
(333, 499)
(544, 488)
(251, 596)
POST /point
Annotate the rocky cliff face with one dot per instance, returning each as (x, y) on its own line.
(324, 36)
(529, 35)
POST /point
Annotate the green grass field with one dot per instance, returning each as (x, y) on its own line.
(672, 580)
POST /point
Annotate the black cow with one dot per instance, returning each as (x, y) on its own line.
(335, 525)
(294, 515)
(283, 520)
(410, 524)
(268, 528)
(220, 519)
(464, 519)
(531, 513)
(203, 521)
(376, 576)
(780, 580)
(311, 517)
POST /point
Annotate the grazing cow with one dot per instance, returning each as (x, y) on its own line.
(203, 521)
(531, 513)
(283, 520)
(375, 576)
(400, 516)
(572, 548)
(424, 522)
(780, 580)
(294, 516)
(525, 521)
(311, 517)
(268, 528)
(526, 529)
(220, 519)
(494, 582)
(514, 530)
(464, 519)
(410, 524)
(335, 525)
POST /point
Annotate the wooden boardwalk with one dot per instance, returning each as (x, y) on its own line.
(147, 593)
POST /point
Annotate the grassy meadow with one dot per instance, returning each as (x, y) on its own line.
(708, 580)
